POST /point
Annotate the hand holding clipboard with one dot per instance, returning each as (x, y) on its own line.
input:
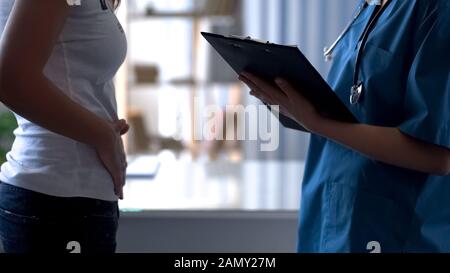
(271, 61)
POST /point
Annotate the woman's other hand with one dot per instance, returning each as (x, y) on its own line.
(112, 154)
(291, 102)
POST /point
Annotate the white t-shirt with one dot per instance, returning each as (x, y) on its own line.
(88, 53)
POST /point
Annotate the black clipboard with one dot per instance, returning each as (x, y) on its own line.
(272, 60)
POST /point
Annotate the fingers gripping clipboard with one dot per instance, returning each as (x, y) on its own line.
(269, 61)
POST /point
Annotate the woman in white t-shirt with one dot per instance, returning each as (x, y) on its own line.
(65, 172)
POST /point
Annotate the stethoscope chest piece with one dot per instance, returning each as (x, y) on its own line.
(356, 93)
(358, 88)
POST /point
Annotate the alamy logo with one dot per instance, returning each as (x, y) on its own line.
(73, 2)
(237, 123)
(74, 247)
(374, 247)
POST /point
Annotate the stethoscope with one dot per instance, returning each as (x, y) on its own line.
(357, 88)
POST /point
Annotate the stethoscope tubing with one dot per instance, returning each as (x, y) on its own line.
(328, 51)
(357, 87)
(364, 38)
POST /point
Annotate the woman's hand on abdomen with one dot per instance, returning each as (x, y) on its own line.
(112, 155)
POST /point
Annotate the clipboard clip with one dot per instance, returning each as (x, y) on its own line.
(248, 38)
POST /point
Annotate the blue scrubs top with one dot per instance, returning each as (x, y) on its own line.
(348, 199)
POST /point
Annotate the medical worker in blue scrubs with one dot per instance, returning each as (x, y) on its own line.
(383, 184)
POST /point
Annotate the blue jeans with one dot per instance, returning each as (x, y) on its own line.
(31, 222)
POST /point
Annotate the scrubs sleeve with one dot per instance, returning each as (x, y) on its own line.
(427, 97)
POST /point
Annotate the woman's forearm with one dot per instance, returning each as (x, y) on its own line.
(23, 86)
(388, 145)
(35, 98)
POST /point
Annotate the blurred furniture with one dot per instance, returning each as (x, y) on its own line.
(215, 12)
(220, 185)
(146, 74)
(142, 167)
(144, 143)
(202, 8)
(212, 207)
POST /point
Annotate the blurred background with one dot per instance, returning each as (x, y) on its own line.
(184, 195)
